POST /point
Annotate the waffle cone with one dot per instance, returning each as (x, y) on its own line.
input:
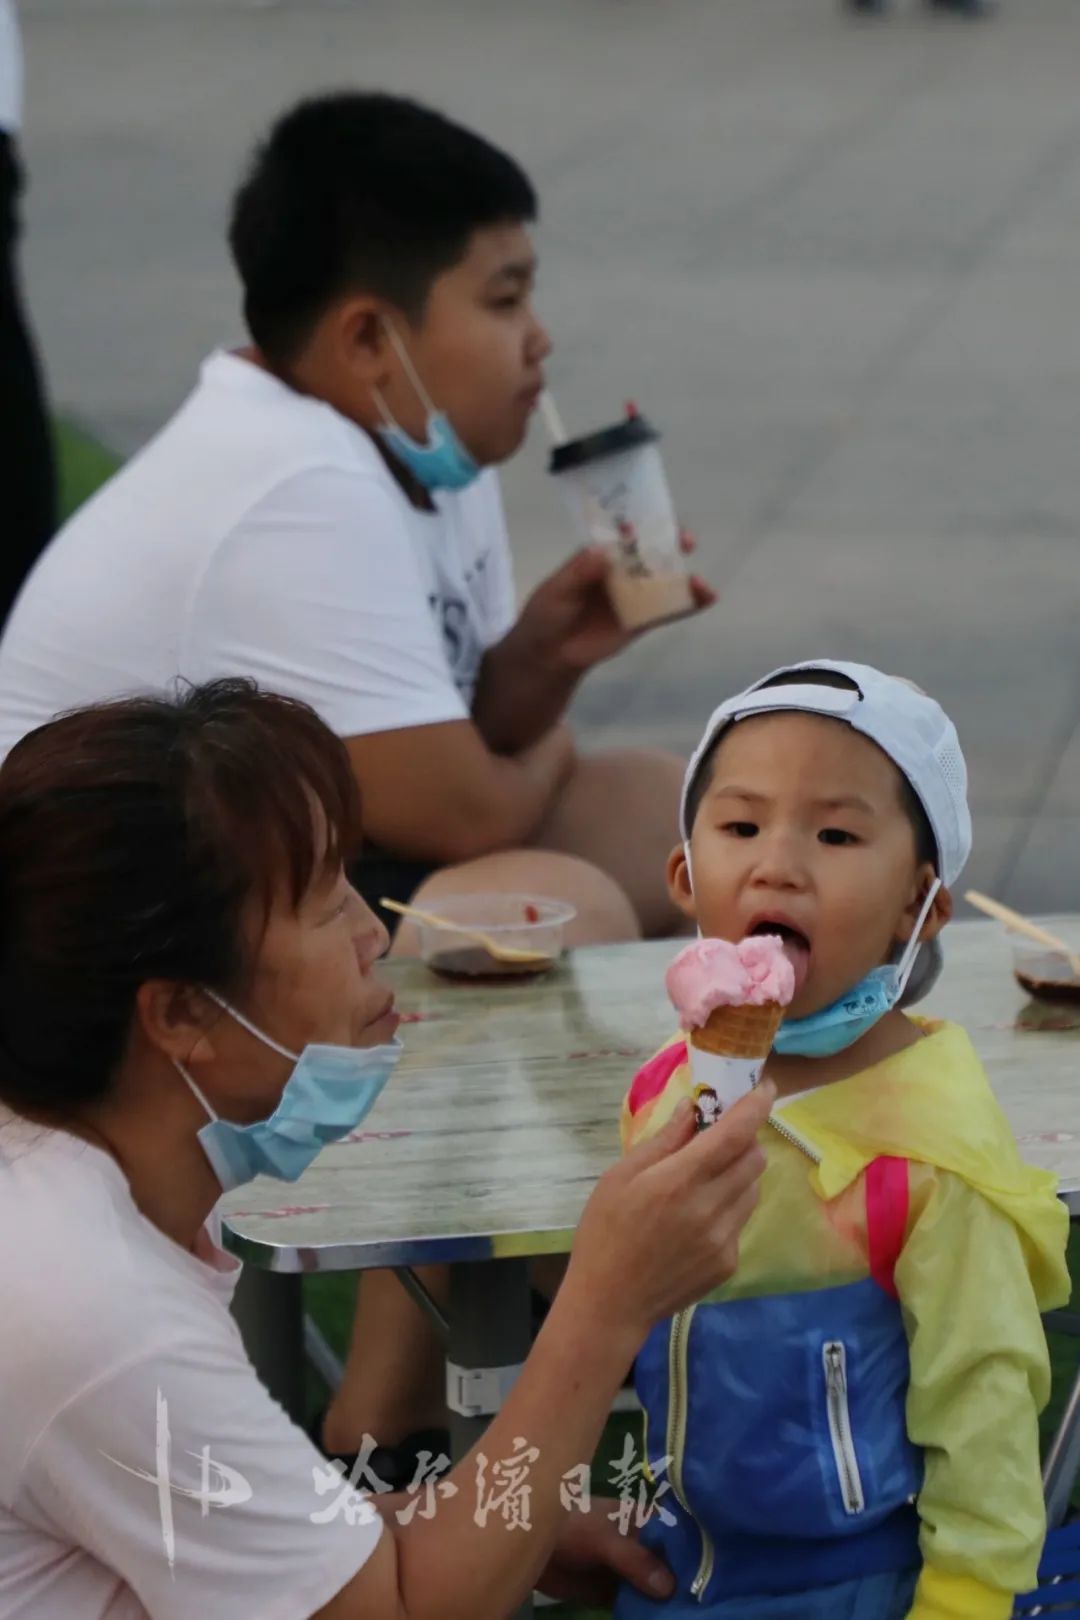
(739, 1032)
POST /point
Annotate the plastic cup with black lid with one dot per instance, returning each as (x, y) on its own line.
(617, 489)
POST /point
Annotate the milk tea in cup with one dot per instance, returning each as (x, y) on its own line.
(618, 492)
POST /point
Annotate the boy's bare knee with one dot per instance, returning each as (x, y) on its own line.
(604, 912)
(620, 812)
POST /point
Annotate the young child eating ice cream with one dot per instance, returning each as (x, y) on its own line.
(849, 1427)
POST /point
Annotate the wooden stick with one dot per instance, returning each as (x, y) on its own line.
(1020, 924)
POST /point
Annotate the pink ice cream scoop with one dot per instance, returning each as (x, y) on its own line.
(713, 973)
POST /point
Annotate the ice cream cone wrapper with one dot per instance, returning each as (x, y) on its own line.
(727, 1055)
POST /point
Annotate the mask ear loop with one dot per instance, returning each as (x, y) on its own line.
(199, 1095)
(410, 371)
(252, 1029)
(911, 949)
(245, 1023)
(690, 875)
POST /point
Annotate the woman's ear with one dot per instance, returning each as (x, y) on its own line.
(940, 911)
(177, 1019)
(678, 882)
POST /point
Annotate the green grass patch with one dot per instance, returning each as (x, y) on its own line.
(83, 464)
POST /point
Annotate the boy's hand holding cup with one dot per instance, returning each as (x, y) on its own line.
(617, 491)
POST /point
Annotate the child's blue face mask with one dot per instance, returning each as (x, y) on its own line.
(834, 1028)
(330, 1090)
(443, 462)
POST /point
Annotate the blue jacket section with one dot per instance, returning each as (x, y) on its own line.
(793, 1469)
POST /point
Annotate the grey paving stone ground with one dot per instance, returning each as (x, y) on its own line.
(839, 262)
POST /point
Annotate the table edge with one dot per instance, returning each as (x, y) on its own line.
(308, 1259)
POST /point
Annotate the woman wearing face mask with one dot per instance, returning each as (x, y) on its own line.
(188, 997)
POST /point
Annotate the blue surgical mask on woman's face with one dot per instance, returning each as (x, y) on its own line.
(443, 462)
(329, 1092)
(834, 1028)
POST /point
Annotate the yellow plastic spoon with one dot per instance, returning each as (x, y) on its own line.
(501, 953)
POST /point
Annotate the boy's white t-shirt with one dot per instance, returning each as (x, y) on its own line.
(112, 1339)
(261, 533)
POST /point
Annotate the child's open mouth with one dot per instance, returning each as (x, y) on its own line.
(795, 943)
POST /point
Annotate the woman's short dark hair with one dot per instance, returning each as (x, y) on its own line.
(136, 837)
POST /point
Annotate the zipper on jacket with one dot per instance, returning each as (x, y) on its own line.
(834, 1358)
(794, 1138)
(678, 1403)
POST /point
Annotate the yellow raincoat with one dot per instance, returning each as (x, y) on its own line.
(984, 1254)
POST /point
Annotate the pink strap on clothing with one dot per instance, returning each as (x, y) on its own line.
(650, 1081)
(886, 1218)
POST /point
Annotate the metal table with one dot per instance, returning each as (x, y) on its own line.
(483, 1149)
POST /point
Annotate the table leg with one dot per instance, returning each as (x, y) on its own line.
(489, 1333)
(269, 1312)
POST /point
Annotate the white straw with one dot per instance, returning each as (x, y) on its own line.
(552, 420)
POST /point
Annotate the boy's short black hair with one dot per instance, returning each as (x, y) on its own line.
(925, 843)
(361, 191)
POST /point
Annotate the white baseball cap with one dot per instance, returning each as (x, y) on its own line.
(913, 730)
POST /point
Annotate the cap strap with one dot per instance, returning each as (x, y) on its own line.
(809, 698)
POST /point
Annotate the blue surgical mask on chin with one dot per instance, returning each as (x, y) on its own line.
(443, 462)
(330, 1091)
(834, 1028)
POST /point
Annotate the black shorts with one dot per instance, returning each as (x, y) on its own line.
(377, 876)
